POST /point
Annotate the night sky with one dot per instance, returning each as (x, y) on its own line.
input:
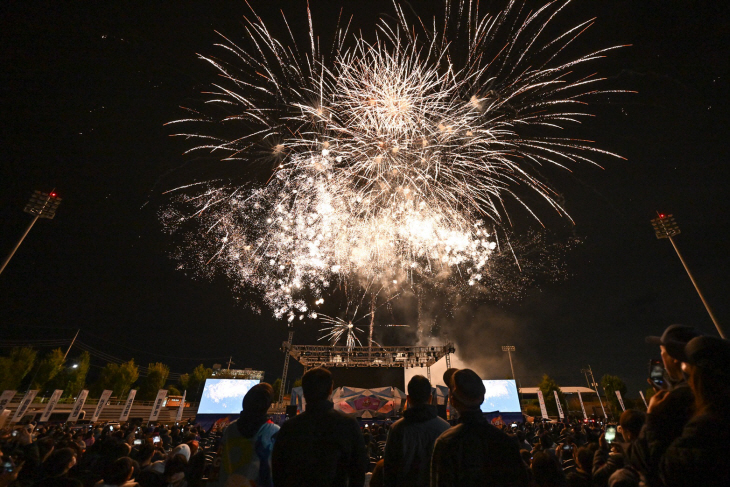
(85, 88)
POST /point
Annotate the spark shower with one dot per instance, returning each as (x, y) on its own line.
(389, 160)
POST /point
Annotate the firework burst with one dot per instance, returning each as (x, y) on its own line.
(392, 160)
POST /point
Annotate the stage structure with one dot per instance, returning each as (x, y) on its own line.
(335, 356)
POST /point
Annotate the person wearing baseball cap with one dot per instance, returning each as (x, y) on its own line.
(474, 452)
(671, 344)
(698, 456)
(677, 405)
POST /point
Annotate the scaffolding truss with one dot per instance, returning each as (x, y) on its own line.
(342, 356)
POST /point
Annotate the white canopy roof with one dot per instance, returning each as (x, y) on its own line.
(566, 390)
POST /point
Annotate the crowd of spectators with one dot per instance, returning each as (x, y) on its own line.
(678, 441)
(103, 455)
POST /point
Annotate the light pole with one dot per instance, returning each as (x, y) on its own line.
(594, 384)
(69, 348)
(509, 349)
(666, 227)
(42, 205)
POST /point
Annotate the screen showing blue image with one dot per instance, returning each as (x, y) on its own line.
(221, 396)
(501, 395)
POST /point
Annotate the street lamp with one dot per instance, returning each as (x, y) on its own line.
(42, 205)
(509, 349)
(666, 227)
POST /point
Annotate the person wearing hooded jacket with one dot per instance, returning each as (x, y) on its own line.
(475, 453)
(247, 443)
(410, 441)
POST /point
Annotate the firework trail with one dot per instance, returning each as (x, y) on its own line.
(392, 160)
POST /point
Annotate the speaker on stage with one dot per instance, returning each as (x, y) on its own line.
(441, 410)
(291, 410)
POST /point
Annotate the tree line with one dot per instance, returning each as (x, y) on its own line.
(23, 368)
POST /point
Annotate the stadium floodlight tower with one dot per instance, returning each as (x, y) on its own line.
(509, 349)
(666, 227)
(41, 205)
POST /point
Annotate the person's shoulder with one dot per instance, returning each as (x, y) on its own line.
(434, 424)
(341, 418)
(450, 434)
(707, 425)
(398, 424)
(497, 434)
(270, 427)
(681, 393)
(291, 423)
(441, 422)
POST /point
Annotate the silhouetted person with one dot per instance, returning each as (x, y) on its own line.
(676, 409)
(119, 473)
(248, 442)
(56, 467)
(546, 471)
(474, 453)
(321, 446)
(699, 455)
(606, 463)
(452, 414)
(410, 441)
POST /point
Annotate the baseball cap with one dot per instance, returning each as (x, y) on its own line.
(448, 375)
(674, 338)
(708, 351)
(183, 450)
(468, 387)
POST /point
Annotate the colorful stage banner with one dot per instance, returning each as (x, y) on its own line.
(51, 404)
(78, 406)
(100, 405)
(24, 405)
(161, 394)
(543, 409)
(560, 407)
(128, 405)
